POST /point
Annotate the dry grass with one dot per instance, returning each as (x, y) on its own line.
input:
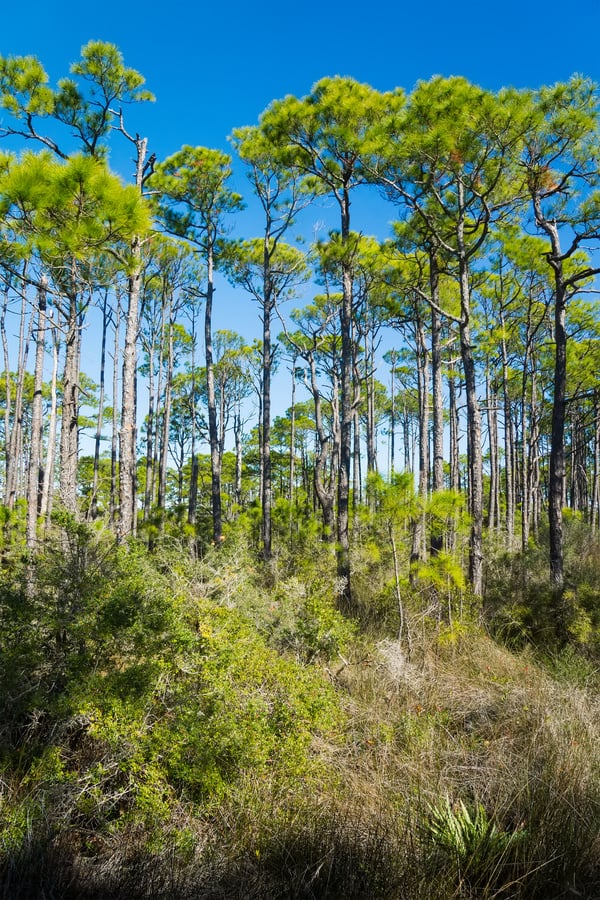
(457, 723)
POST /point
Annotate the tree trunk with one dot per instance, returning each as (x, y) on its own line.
(475, 459)
(557, 447)
(492, 417)
(436, 381)
(93, 508)
(347, 402)
(35, 474)
(421, 358)
(213, 431)
(267, 362)
(115, 420)
(48, 485)
(128, 434)
(166, 421)
(69, 425)
(14, 436)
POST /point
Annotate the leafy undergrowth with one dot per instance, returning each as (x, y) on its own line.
(181, 731)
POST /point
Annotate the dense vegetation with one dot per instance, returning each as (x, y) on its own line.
(241, 654)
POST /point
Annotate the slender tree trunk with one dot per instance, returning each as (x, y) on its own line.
(422, 364)
(356, 485)
(213, 431)
(325, 495)
(14, 438)
(48, 485)
(193, 494)
(595, 492)
(93, 509)
(128, 434)
(267, 363)
(393, 414)
(35, 474)
(492, 417)
(115, 421)
(237, 437)
(454, 435)
(150, 437)
(292, 479)
(69, 426)
(166, 422)
(557, 447)
(436, 381)
(370, 385)
(475, 460)
(509, 453)
(343, 521)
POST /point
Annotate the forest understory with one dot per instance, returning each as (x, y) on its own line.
(215, 728)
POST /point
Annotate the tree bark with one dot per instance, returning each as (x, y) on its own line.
(69, 423)
(213, 431)
(35, 473)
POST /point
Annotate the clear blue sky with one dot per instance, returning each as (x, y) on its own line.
(215, 66)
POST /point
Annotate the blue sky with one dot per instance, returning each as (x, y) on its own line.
(217, 66)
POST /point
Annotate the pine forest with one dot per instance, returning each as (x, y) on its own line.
(308, 606)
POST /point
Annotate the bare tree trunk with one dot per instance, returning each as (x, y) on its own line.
(595, 494)
(166, 422)
(292, 478)
(193, 494)
(509, 453)
(557, 447)
(237, 437)
(370, 386)
(418, 550)
(475, 460)
(436, 381)
(492, 417)
(69, 427)
(393, 413)
(48, 485)
(454, 435)
(128, 433)
(150, 438)
(115, 420)
(267, 363)
(106, 315)
(356, 485)
(35, 475)
(14, 437)
(213, 432)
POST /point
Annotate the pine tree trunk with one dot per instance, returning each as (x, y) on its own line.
(48, 485)
(267, 362)
(213, 431)
(475, 460)
(508, 447)
(35, 474)
(557, 447)
(69, 425)
(421, 359)
(346, 418)
(128, 433)
(115, 421)
(492, 417)
(14, 436)
(93, 508)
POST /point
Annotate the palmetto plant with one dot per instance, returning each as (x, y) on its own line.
(469, 840)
